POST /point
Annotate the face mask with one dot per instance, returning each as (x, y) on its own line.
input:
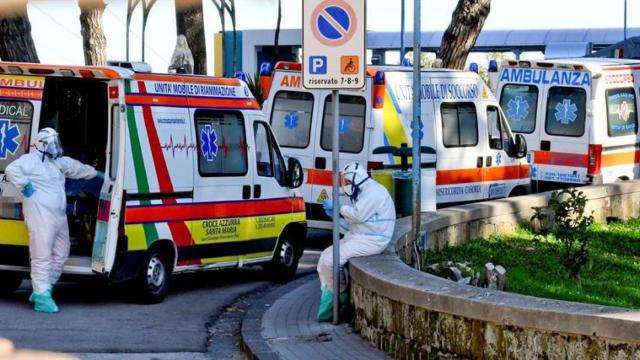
(54, 149)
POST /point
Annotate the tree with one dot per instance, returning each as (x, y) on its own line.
(190, 23)
(461, 35)
(16, 43)
(276, 49)
(94, 42)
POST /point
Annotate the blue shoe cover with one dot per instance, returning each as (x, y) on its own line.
(43, 302)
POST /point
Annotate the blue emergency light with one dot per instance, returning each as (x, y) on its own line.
(474, 67)
(493, 66)
(406, 62)
(265, 69)
(241, 75)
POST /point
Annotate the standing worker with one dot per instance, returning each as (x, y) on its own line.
(369, 219)
(41, 176)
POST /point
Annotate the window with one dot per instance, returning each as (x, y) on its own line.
(15, 128)
(115, 141)
(566, 108)
(351, 126)
(269, 161)
(291, 118)
(497, 135)
(222, 146)
(264, 164)
(621, 112)
(520, 104)
(459, 124)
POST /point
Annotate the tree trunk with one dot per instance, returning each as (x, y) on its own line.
(190, 23)
(462, 33)
(16, 43)
(94, 42)
(276, 48)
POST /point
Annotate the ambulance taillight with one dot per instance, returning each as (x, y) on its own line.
(595, 159)
(378, 90)
(265, 79)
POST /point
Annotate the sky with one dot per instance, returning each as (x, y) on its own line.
(56, 28)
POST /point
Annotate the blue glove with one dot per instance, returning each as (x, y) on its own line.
(100, 175)
(327, 205)
(28, 190)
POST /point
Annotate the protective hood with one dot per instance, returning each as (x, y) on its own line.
(353, 176)
(48, 143)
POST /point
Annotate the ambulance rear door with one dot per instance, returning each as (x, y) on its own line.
(292, 112)
(20, 103)
(111, 194)
(521, 96)
(564, 128)
(354, 128)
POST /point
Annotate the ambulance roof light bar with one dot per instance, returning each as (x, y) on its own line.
(136, 66)
(288, 65)
(241, 75)
(493, 65)
(265, 69)
(474, 67)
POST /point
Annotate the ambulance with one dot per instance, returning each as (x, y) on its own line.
(478, 157)
(579, 117)
(195, 179)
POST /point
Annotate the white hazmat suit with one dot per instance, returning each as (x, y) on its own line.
(44, 207)
(369, 221)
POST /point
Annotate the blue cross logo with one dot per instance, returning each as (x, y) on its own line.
(566, 112)
(517, 108)
(8, 138)
(208, 138)
(291, 120)
(344, 125)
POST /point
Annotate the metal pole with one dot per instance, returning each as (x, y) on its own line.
(415, 128)
(335, 157)
(402, 49)
(625, 19)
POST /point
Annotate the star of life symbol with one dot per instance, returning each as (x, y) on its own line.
(566, 112)
(291, 120)
(623, 111)
(209, 146)
(518, 108)
(498, 158)
(8, 138)
(343, 126)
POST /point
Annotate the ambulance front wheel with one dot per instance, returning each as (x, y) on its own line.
(9, 282)
(153, 282)
(285, 261)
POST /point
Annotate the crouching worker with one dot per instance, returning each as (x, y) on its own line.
(369, 219)
(41, 176)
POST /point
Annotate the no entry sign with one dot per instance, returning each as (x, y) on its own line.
(333, 44)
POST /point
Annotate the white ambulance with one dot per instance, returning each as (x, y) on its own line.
(579, 117)
(195, 179)
(477, 156)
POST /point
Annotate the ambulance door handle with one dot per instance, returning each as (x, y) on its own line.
(488, 161)
(246, 192)
(321, 163)
(480, 161)
(257, 191)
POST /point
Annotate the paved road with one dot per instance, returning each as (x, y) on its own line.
(99, 321)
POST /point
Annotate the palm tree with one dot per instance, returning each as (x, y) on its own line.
(16, 43)
(94, 42)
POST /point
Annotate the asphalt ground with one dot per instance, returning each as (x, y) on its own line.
(97, 322)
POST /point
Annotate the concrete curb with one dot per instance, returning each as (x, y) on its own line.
(253, 343)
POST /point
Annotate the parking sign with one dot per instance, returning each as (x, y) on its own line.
(333, 44)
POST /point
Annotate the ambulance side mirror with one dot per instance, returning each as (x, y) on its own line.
(295, 175)
(520, 147)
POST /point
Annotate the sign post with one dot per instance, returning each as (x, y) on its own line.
(334, 50)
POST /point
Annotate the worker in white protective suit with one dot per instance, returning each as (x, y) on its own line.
(368, 219)
(40, 175)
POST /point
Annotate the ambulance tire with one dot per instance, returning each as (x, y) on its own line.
(153, 281)
(284, 265)
(9, 282)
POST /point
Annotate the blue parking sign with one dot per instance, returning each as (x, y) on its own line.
(318, 65)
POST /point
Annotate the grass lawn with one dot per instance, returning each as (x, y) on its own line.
(611, 277)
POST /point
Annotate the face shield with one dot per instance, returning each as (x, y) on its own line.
(53, 148)
(48, 143)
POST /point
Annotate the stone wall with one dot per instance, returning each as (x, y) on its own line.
(414, 315)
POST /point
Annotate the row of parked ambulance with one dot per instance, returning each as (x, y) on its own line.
(199, 176)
